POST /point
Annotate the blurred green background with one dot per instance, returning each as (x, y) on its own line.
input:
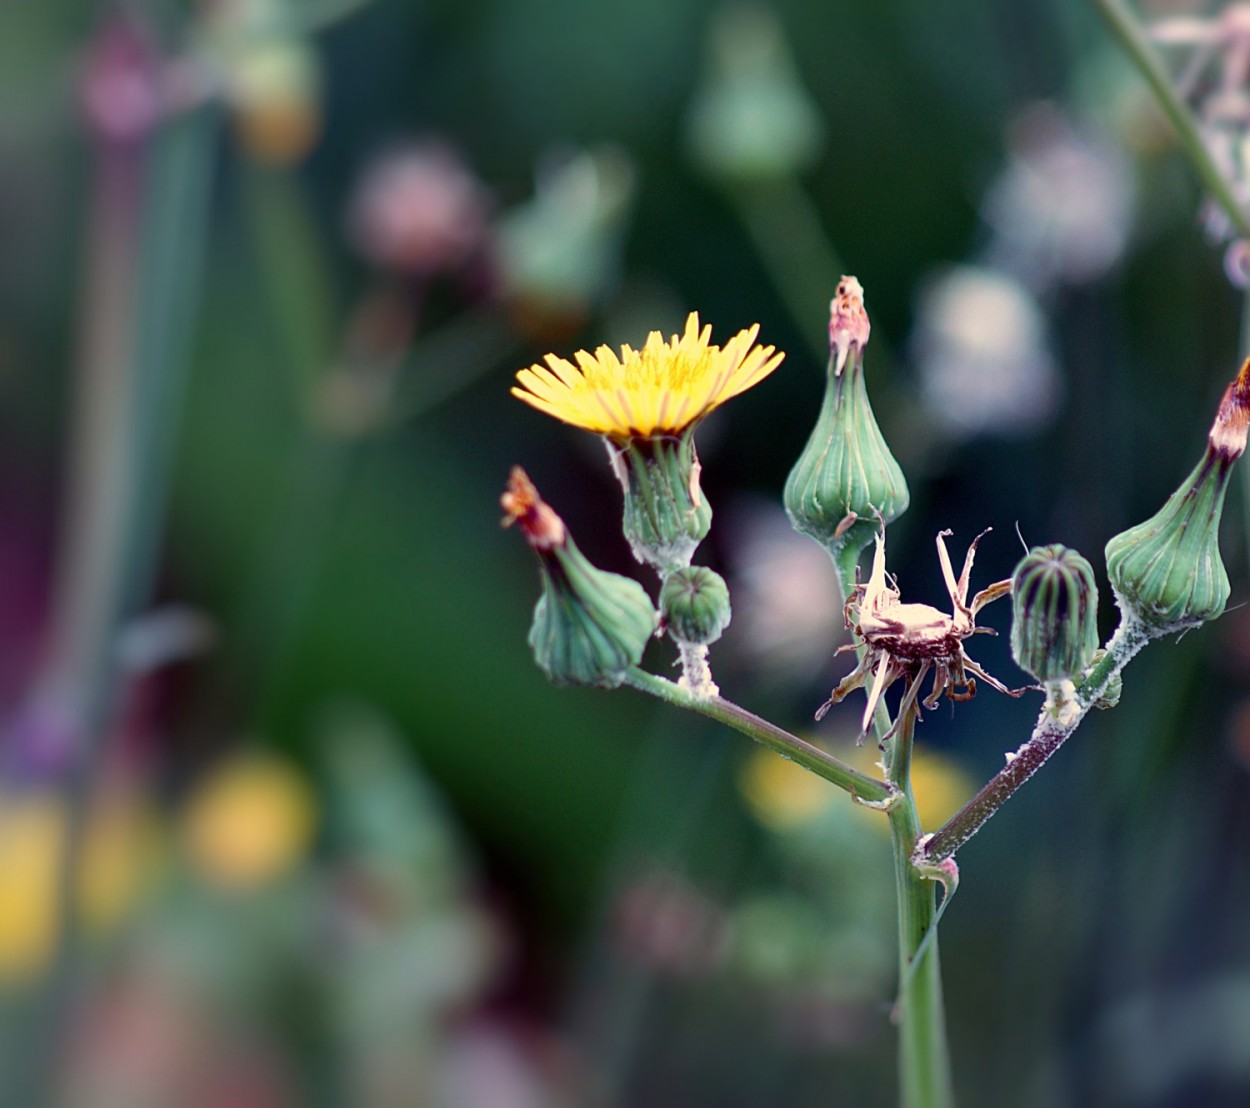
(268, 270)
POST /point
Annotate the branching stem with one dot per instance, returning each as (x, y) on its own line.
(1050, 733)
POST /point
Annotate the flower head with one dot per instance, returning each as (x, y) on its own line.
(661, 389)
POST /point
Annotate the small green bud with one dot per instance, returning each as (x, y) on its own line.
(1167, 572)
(694, 602)
(666, 514)
(589, 626)
(1054, 625)
(559, 254)
(846, 484)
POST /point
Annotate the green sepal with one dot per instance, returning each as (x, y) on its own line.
(666, 514)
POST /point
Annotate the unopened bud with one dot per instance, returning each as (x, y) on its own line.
(694, 602)
(846, 484)
(1167, 572)
(751, 120)
(1054, 626)
(589, 626)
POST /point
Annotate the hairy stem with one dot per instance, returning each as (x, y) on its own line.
(834, 770)
(924, 1055)
(1054, 725)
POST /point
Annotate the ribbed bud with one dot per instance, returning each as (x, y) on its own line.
(1167, 571)
(666, 515)
(589, 626)
(1054, 625)
(694, 602)
(846, 484)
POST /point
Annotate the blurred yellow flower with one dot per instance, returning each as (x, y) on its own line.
(248, 822)
(121, 849)
(32, 830)
(940, 785)
(661, 389)
(782, 795)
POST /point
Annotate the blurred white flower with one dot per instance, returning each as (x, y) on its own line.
(982, 353)
(1216, 77)
(786, 599)
(488, 1064)
(1061, 208)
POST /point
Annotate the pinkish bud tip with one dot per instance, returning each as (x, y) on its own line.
(848, 323)
(1232, 421)
(543, 529)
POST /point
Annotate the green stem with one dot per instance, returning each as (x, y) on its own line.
(147, 234)
(1133, 38)
(924, 1057)
(864, 788)
(1054, 725)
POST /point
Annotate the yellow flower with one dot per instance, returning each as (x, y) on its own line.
(249, 822)
(659, 390)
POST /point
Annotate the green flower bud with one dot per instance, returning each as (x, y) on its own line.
(846, 484)
(1167, 572)
(751, 119)
(1054, 626)
(666, 514)
(694, 602)
(589, 626)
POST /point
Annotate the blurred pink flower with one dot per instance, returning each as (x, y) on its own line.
(417, 209)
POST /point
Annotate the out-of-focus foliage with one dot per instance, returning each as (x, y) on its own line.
(473, 888)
